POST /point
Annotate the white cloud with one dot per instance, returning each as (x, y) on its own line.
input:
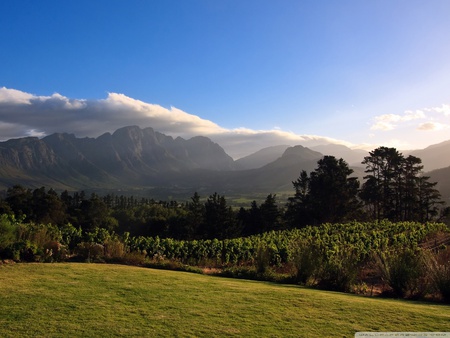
(413, 115)
(431, 126)
(13, 96)
(383, 125)
(444, 109)
(23, 114)
(390, 121)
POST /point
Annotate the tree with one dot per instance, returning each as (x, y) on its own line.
(195, 216)
(328, 194)
(220, 220)
(395, 188)
(93, 213)
(379, 190)
(270, 214)
(19, 199)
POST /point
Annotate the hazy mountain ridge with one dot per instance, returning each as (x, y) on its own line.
(129, 156)
(442, 177)
(353, 157)
(261, 157)
(134, 158)
(435, 156)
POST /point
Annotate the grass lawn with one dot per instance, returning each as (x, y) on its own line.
(100, 300)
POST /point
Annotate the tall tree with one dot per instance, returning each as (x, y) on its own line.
(270, 214)
(328, 194)
(379, 190)
(195, 217)
(395, 188)
(220, 221)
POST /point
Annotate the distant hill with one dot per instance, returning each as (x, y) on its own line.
(351, 156)
(434, 157)
(261, 157)
(134, 159)
(270, 154)
(271, 178)
(128, 157)
(442, 177)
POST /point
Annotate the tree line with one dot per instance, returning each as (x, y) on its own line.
(394, 189)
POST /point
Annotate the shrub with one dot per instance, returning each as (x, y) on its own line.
(54, 251)
(262, 259)
(8, 230)
(307, 261)
(90, 251)
(438, 265)
(339, 272)
(114, 249)
(404, 272)
(22, 251)
(134, 258)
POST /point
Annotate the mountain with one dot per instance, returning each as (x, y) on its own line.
(442, 177)
(281, 172)
(135, 159)
(274, 177)
(261, 157)
(128, 157)
(132, 158)
(435, 156)
(351, 156)
(271, 154)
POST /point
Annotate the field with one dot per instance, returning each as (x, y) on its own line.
(98, 300)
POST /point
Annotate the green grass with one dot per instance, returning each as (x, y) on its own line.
(100, 300)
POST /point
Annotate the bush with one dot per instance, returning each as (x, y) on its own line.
(438, 265)
(54, 251)
(24, 251)
(114, 249)
(262, 259)
(339, 272)
(8, 231)
(134, 258)
(307, 261)
(90, 251)
(404, 272)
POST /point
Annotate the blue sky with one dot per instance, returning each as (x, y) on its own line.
(364, 73)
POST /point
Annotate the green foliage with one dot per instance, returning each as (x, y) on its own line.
(262, 259)
(438, 265)
(8, 230)
(70, 236)
(328, 194)
(90, 252)
(403, 271)
(339, 272)
(307, 260)
(395, 188)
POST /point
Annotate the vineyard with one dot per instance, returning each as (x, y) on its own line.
(361, 239)
(403, 259)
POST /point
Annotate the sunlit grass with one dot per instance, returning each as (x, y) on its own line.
(97, 300)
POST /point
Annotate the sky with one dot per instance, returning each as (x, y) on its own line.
(248, 74)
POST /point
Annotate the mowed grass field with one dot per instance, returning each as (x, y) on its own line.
(101, 300)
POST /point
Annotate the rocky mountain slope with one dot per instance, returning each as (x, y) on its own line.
(129, 156)
(133, 159)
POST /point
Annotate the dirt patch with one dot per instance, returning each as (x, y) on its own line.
(211, 271)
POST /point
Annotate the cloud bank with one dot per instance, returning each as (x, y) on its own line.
(431, 116)
(23, 114)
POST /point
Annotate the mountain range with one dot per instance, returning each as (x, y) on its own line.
(133, 159)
